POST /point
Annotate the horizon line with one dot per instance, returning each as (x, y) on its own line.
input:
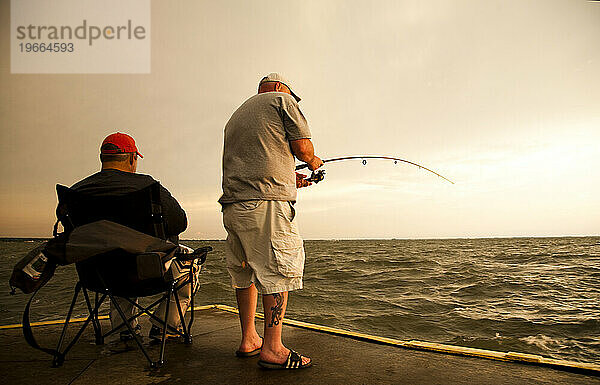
(372, 239)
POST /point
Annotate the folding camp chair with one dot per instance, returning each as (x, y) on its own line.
(117, 274)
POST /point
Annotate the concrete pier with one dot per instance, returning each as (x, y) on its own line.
(347, 359)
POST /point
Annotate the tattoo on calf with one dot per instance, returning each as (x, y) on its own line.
(277, 310)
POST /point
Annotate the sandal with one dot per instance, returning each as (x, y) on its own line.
(294, 361)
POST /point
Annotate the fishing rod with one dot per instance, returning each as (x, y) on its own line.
(319, 175)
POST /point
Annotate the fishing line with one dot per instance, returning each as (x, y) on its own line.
(319, 175)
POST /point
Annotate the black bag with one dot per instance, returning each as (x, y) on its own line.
(33, 271)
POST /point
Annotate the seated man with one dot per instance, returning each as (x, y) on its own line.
(119, 157)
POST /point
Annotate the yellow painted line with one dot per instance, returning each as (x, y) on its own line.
(204, 307)
(60, 322)
(418, 345)
(46, 323)
(441, 348)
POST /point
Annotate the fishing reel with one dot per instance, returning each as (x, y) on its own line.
(316, 176)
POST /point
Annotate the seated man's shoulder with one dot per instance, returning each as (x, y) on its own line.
(144, 177)
(113, 179)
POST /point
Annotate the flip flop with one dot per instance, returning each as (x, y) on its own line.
(251, 353)
(294, 361)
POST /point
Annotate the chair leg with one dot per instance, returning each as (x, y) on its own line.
(128, 325)
(147, 310)
(187, 329)
(186, 332)
(136, 338)
(59, 358)
(85, 324)
(95, 320)
(131, 318)
(164, 329)
(193, 289)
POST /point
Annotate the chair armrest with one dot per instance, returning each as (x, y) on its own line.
(199, 253)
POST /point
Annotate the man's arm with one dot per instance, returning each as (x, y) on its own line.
(304, 150)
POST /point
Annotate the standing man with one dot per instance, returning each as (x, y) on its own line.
(265, 252)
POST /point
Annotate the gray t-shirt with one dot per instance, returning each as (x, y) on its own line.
(257, 159)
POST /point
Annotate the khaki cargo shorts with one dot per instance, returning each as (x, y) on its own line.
(263, 246)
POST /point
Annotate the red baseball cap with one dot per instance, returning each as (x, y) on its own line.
(123, 143)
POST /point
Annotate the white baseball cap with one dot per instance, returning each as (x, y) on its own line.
(275, 77)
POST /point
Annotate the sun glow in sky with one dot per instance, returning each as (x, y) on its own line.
(500, 96)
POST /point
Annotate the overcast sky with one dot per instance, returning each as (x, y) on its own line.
(502, 97)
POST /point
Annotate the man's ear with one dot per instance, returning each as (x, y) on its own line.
(278, 87)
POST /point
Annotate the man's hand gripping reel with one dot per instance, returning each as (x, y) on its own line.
(316, 176)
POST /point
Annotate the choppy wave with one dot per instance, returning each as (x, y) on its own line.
(533, 295)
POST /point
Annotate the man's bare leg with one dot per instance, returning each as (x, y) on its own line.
(246, 300)
(273, 349)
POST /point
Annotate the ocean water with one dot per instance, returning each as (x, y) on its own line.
(532, 295)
